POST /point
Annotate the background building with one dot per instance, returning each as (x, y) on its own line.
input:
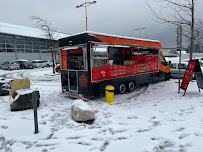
(20, 42)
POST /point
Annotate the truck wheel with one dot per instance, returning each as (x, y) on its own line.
(122, 88)
(131, 86)
(168, 76)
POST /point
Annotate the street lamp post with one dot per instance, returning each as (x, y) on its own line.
(86, 4)
(139, 29)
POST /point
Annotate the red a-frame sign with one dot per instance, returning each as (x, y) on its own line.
(193, 66)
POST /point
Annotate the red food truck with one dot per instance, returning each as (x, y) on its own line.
(90, 61)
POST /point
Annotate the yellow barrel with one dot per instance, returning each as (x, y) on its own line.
(109, 91)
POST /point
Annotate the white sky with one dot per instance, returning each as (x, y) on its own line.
(106, 16)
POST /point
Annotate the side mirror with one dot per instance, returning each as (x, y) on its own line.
(169, 63)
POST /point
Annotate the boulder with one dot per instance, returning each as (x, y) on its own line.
(4, 86)
(22, 99)
(82, 112)
(3, 90)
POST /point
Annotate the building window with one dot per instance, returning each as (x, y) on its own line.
(28, 50)
(10, 50)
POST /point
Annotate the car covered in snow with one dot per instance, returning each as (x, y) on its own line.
(10, 66)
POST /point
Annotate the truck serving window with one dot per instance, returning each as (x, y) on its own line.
(74, 58)
(99, 56)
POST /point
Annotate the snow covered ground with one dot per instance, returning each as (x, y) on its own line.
(154, 118)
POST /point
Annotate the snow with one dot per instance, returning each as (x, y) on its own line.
(153, 118)
(22, 92)
(111, 35)
(25, 31)
(81, 105)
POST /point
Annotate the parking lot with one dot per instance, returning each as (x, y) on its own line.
(154, 115)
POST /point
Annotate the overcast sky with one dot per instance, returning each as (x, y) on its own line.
(119, 17)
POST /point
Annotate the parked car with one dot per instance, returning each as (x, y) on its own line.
(10, 66)
(24, 64)
(37, 63)
(175, 70)
(48, 63)
(29, 66)
(58, 68)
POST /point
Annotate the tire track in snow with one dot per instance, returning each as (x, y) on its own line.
(137, 92)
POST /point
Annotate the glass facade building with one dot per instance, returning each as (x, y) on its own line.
(13, 43)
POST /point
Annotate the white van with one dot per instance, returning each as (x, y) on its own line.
(48, 63)
(37, 63)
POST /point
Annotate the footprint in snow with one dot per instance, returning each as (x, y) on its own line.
(4, 127)
(144, 130)
(186, 145)
(103, 147)
(131, 117)
(84, 143)
(28, 144)
(180, 129)
(74, 137)
(50, 136)
(156, 123)
(120, 131)
(97, 138)
(184, 135)
(111, 131)
(164, 145)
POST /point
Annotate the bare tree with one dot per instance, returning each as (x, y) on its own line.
(47, 31)
(180, 12)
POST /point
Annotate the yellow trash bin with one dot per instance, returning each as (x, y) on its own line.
(109, 91)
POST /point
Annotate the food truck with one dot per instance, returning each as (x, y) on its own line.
(91, 61)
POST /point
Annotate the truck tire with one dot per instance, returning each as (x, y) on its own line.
(131, 86)
(168, 76)
(122, 88)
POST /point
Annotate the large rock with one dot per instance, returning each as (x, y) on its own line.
(4, 86)
(22, 99)
(82, 112)
(3, 90)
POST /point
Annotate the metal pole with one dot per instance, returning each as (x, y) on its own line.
(34, 100)
(179, 71)
(179, 46)
(86, 13)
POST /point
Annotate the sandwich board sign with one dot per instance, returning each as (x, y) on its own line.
(193, 66)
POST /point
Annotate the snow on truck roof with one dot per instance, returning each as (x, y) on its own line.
(19, 30)
(115, 39)
(111, 35)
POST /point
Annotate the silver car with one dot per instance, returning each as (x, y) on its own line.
(48, 63)
(10, 66)
(175, 70)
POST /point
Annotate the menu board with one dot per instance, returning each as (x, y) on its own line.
(188, 74)
(145, 64)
